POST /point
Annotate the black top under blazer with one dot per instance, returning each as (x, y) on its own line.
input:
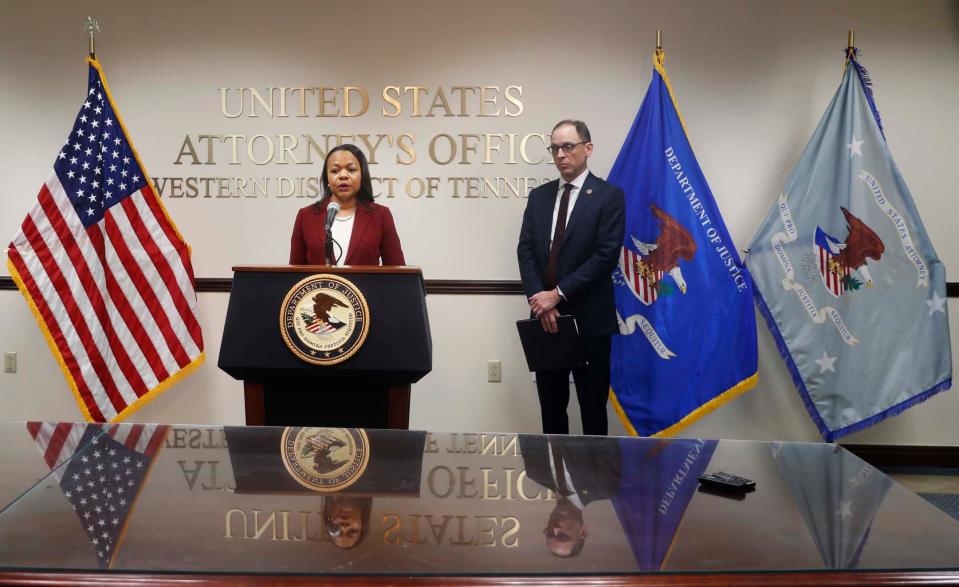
(590, 251)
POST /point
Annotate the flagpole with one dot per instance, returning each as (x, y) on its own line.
(92, 27)
(658, 54)
(850, 47)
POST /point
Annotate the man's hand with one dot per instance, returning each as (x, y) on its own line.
(548, 320)
(544, 301)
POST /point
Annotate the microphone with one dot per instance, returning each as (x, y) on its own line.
(331, 211)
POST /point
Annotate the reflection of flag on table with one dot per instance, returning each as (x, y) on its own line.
(107, 468)
(104, 270)
(838, 495)
(658, 482)
(687, 339)
(849, 284)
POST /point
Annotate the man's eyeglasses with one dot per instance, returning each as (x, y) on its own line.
(562, 535)
(566, 147)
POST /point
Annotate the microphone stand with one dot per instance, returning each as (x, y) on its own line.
(330, 256)
(331, 211)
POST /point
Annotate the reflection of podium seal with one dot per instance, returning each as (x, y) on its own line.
(325, 459)
(324, 319)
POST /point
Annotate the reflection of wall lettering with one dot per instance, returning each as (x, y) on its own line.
(486, 483)
(290, 148)
(194, 438)
(206, 473)
(280, 525)
(500, 445)
(460, 530)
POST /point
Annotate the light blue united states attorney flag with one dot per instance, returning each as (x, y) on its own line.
(847, 278)
(687, 338)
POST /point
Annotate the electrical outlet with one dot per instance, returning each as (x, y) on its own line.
(9, 362)
(494, 371)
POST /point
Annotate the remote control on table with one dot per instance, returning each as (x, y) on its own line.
(721, 481)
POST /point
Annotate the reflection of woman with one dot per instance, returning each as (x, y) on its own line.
(363, 231)
(347, 519)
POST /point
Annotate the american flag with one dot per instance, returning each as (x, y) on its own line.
(105, 271)
(106, 467)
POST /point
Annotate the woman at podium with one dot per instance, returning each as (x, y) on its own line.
(363, 231)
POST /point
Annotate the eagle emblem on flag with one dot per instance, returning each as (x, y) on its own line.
(643, 271)
(837, 260)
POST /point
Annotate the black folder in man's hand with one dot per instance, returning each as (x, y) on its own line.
(546, 351)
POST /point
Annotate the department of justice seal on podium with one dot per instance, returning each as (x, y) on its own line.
(324, 319)
(325, 459)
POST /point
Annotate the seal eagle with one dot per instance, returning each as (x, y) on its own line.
(673, 243)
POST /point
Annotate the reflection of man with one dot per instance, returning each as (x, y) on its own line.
(568, 247)
(579, 471)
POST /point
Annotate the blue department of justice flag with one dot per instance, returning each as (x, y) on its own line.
(846, 277)
(683, 298)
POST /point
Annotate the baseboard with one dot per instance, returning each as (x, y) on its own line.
(890, 455)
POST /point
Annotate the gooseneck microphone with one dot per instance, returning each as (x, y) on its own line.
(332, 209)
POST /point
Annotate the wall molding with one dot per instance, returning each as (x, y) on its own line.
(486, 287)
(489, 287)
(893, 455)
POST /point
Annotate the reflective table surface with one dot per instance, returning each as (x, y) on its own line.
(193, 499)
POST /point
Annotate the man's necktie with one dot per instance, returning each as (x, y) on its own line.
(558, 234)
(561, 486)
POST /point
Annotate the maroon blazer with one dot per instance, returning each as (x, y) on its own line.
(374, 237)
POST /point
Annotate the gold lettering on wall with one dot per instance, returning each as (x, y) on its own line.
(287, 147)
(413, 101)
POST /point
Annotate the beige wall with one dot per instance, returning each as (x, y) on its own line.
(752, 79)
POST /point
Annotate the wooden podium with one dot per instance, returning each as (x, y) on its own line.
(369, 389)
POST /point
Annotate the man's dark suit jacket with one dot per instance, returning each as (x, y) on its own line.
(590, 251)
(374, 237)
(593, 463)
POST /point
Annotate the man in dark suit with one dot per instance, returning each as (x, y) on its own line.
(568, 247)
(578, 471)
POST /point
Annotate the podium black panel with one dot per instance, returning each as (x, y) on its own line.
(370, 389)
